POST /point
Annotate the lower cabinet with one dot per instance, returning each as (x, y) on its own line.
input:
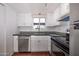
(36, 44)
(40, 43)
(15, 43)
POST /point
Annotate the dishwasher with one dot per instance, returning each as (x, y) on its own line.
(23, 43)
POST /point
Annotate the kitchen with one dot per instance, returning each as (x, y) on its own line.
(36, 28)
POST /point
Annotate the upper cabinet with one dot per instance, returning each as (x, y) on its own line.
(58, 13)
(64, 9)
(52, 18)
(24, 19)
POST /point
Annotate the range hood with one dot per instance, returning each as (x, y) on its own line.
(65, 18)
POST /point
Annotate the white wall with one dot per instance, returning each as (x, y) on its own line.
(11, 28)
(74, 34)
(8, 27)
(2, 29)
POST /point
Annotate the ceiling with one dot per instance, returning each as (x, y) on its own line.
(34, 8)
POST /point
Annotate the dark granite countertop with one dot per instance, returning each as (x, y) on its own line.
(42, 33)
(21, 35)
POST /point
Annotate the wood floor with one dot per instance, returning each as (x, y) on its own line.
(31, 54)
(38, 54)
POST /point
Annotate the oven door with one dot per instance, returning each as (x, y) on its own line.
(56, 51)
(56, 47)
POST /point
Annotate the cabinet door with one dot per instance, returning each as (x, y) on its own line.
(40, 43)
(44, 43)
(34, 44)
(24, 19)
(56, 16)
(15, 43)
(52, 19)
(64, 8)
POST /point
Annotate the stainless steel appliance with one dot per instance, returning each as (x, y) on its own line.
(61, 43)
(23, 43)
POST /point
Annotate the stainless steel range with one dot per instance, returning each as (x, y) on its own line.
(60, 42)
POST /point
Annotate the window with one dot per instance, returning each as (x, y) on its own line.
(39, 23)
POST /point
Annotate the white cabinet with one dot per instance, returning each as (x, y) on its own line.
(15, 43)
(56, 14)
(24, 19)
(40, 43)
(49, 20)
(64, 9)
(52, 19)
(34, 44)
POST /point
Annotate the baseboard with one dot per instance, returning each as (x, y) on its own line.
(33, 51)
(11, 54)
(2, 54)
(39, 51)
(58, 53)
